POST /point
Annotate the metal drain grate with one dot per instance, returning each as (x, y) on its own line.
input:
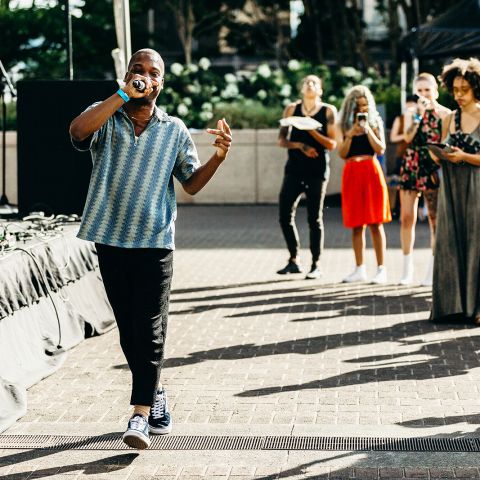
(185, 442)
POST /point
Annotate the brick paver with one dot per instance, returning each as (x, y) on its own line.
(250, 352)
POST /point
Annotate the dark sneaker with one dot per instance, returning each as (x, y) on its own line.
(291, 267)
(314, 273)
(160, 420)
(137, 435)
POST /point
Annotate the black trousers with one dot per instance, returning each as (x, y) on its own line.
(314, 189)
(137, 282)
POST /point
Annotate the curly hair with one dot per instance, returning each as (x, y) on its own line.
(349, 105)
(467, 69)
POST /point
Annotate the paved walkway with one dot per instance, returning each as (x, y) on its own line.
(252, 353)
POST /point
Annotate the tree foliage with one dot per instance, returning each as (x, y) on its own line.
(330, 31)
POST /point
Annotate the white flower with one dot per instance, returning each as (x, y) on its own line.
(204, 63)
(187, 101)
(205, 116)
(286, 102)
(332, 98)
(262, 94)
(367, 81)
(176, 68)
(193, 88)
(286, 90)
(192, 68)
(215, 99)
(264, 71)
(350, 72)
(230, 78)
(294, 65)
(207, 106)
(231, 91)
(182, 109)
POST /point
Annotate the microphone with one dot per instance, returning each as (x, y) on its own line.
(139, 85)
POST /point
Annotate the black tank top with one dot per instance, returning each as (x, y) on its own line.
(298, 164)
(360, 146)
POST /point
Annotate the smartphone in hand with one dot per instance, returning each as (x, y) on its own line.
(439, 149)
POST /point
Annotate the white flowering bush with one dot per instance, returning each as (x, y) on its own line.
(256, 99)
(189, 90)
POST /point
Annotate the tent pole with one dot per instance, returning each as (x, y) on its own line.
(403, 85)
(126, 32)
(415, 69)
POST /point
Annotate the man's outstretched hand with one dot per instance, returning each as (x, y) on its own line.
(223, 139)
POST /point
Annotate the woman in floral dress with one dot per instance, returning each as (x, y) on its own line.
(419, 173)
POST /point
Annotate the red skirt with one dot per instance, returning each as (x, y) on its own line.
(364, 194)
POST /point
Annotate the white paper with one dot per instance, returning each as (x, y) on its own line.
(302, 123)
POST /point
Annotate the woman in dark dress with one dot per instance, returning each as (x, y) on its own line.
(456, 275)
(306, 172)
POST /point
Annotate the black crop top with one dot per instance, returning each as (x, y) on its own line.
(298, 164)
(360, 146)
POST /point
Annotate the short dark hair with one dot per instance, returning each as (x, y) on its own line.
(413, 97)
(467, 69)
(147, 51)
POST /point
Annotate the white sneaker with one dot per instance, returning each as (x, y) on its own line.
(358, 275)
(428, 280)
(407, 276)
(380, 277)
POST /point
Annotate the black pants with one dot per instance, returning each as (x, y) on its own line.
(137, 282)
(314, 189)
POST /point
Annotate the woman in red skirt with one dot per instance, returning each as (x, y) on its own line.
(364, 190)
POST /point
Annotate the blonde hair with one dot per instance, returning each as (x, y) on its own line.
(428, 77)
(349, 105)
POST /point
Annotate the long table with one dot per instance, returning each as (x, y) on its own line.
(51, 296)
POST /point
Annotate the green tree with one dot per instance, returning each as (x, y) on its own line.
(195, 19)
(260, 27)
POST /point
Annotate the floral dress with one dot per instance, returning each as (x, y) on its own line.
(418, 171)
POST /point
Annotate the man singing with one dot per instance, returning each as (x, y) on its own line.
(130, 212)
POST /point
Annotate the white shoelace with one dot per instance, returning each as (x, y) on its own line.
(158, 409)
(137, 422)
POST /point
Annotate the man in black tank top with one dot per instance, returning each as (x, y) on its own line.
(306, 172)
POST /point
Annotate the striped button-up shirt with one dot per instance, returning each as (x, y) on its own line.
(131, 198)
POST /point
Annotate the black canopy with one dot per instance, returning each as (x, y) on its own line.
(454, 33)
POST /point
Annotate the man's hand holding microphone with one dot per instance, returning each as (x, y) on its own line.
(138, 86)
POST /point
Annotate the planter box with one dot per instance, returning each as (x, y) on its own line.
(252, 173)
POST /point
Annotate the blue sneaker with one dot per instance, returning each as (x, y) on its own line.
(137, 435)
(160, 420)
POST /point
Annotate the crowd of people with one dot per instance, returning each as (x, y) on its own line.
(449, 185)
(131, 209)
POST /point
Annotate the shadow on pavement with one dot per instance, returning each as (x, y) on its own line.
(179, 291)
(439, 421)
(338, 299)
(256, 226)
(109, 464)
